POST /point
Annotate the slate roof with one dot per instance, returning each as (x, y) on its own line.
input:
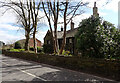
(59, 34)
(69, 33)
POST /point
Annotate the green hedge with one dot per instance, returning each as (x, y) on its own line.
(106, 68)
(48, 48)
(38, 49)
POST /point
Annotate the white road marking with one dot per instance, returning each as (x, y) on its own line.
(31, 74)
(5, 63)
(27, 73)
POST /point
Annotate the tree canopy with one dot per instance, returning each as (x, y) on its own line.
(97, 38)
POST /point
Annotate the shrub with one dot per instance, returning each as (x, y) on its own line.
(66, 53)
(21, 50)
(17, 50)
(17, 45)
(38, 49)
(31, 49)
(48, 48)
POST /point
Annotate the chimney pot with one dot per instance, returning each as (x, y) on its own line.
(61, 28)
(72, 25)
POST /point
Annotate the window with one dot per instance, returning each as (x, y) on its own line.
(48, 41)
(70, 40)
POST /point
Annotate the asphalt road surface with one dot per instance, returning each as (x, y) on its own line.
(21, 70)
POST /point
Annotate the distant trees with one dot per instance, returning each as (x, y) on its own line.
(97, 38)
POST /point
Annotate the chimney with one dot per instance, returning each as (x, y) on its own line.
(72, 25)
(95, 10)
(61, 28)
(94, 4)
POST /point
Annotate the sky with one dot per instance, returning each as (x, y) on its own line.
(9, 32)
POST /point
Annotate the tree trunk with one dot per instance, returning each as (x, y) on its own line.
(53, 38)
(55, 34)
(65, 26)
(27, 42)
(64, 41)
(54, 44)
(35, 44)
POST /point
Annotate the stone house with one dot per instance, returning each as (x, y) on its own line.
(70, 35)
(70, 38)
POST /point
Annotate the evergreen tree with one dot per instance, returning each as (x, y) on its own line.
(97, 38)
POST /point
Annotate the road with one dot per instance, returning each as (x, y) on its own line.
(21, 70)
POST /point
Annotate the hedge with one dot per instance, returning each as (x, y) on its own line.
(106, 68)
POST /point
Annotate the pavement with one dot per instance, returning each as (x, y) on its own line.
(17, 70)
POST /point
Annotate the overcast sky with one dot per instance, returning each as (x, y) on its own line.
(10, 32)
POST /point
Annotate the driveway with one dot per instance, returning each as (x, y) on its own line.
(18, 70)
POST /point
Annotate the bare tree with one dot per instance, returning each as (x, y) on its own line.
(51, 10)
(22, 10)
(55, 9)
(65, 26)
(34, 8)
(70, 10)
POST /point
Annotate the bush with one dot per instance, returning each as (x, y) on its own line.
(38, 49)
(31, 49)
(66, 53)
(48, 48)
(17, 50)
(17, 45)
(22, 50)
